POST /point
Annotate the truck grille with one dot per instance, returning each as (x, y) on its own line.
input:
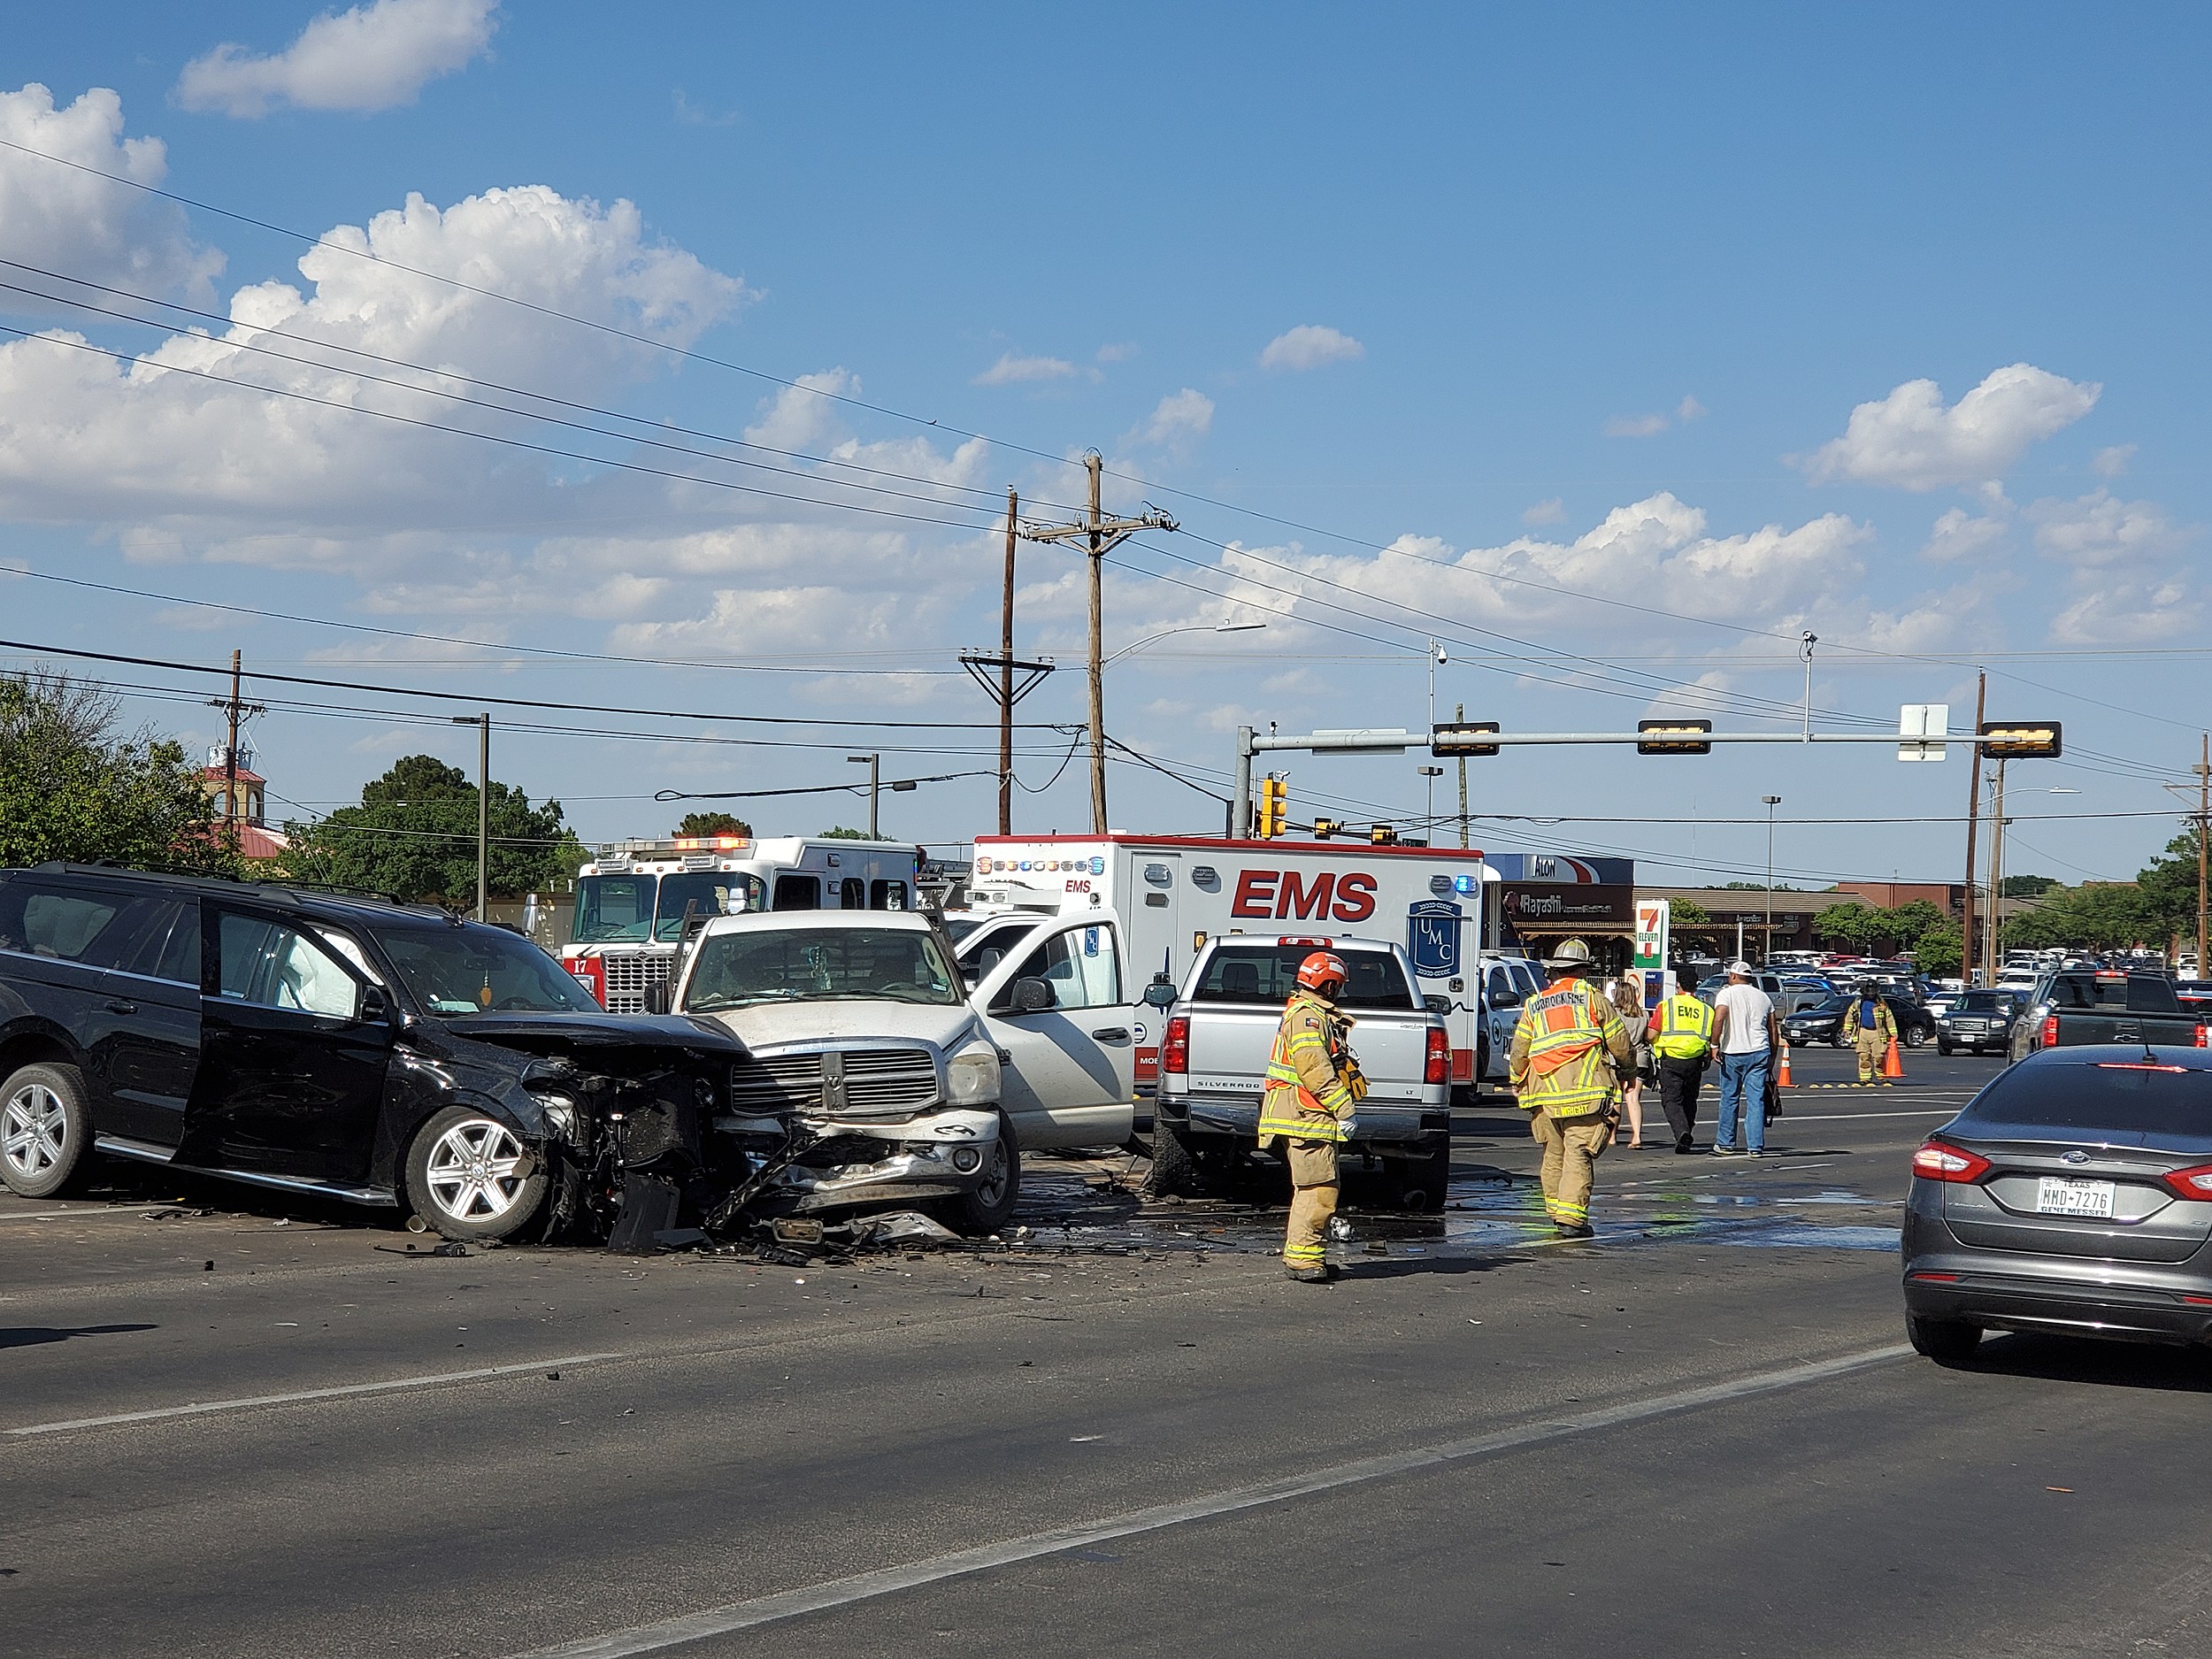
(629, 972)
(843, 1082)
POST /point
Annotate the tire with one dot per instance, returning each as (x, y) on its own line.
(1914, 1038)
(989, 1205)
(1944, 1049)
(44, 1130)
(1946, 1342)
(1174, 1172)
(1837, 1041)
(1424, 1183)
(471, 1178)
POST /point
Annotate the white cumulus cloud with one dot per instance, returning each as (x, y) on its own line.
(1910, 441)
(1178, 420)
(2098, 530)
(66, 219)
(2110, 463)
(1553, 511)
(370, 58)
(1960, 534)
(1010, 370)
(1309, 346)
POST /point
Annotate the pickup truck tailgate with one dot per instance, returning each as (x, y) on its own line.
(1229, 1046)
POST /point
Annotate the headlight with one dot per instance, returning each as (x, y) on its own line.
(972, 1076)
(560, 1113)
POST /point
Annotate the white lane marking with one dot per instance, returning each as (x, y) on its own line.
(1852, 1117)
(769, 1610)
(199, 1407)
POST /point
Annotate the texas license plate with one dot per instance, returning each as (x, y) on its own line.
(2055, 1196)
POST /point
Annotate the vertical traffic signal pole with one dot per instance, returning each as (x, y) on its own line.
(1006, 679)
(1993, 927)
(1973, 822)
(1240, 810)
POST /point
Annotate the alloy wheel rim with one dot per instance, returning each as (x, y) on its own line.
(475, 1172)
(991, 1187)
(34, 1130)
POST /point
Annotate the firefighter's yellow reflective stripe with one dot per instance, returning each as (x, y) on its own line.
(1301, 1129)
(1562, 1211)
(1300, 1253)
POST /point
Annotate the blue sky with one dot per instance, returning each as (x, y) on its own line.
(1567, 308)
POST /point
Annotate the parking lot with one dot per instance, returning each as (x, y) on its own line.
(275, 1430)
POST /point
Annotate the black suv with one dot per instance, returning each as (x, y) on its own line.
(379, 1053)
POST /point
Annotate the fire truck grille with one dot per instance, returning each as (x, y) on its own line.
(629, 972)
(851, 1082)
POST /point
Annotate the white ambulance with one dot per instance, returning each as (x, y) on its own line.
(632, 898)
(1173, 893)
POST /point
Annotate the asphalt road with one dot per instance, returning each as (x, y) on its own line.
(1124, 1432)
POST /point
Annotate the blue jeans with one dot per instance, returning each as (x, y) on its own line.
(1743, 1079)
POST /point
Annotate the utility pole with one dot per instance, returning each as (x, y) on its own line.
(1973, 819)
(483, 725)
(874, 764)
(230, 754)
(995, 674)
(1460, 714)
(1100, 535)
(1772, 800)
(2204, 821)
(1994, 927)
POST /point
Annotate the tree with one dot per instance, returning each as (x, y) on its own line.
(72, 787)
(714, 824)
(840, 833)
(2106, 916)
(2028, 887)
(2169, 890)
(1850, 925)
(1940, 952)
(414, 837)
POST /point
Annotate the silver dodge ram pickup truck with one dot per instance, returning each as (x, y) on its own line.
(1213, 1065)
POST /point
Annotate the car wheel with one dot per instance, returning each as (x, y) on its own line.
(1915, 1038)
(989, 1205)
(470, 1176)
(44, 1129)
(1946, 1342)
(1943, 1048)
(1174, 1172)
(1424, 1183)
(1839, 1041)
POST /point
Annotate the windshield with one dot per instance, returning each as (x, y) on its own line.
(1983, 1002)
(1268, 973)
(468, 970)
(609, 909)
(706, 893)
(615, 910)
(818, 964)
(2121, 1094)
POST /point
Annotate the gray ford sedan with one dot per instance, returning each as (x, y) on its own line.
(2073, 1196)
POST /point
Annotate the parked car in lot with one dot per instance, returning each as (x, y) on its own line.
(320, 1043)
(2072, 1195)
(1799, 991)
(1979, 1022)
(1825, 1022)
(858, 1026)
(1221, 1029)
(2080, 1006)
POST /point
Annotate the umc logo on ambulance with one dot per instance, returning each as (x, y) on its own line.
(1432, 938)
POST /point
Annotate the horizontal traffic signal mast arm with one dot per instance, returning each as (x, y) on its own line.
(1324, 742)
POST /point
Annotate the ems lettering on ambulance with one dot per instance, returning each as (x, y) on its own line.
(1279, 895)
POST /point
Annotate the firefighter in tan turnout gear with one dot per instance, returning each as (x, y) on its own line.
(1570, 1052)
(1313, 1086)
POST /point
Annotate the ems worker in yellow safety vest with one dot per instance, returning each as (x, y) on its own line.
(1682, 1037)
(1313, 1086)
(1570, 1051)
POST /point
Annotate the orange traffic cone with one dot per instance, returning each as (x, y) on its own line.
(1892, 1063)
(1782, 1077)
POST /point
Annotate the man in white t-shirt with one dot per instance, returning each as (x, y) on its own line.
(1746, 1034)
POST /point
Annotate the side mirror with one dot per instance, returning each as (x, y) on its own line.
(1160, 994)
(659, 997)
(1437, 1004)
(375, 1010)
(1506, 999)
(1033, 996)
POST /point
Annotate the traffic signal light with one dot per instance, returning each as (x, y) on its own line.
(1324, 827)
(1383, 835)
(1461, 737)
(1274, 800)
(2021, 740)
(1672, 737)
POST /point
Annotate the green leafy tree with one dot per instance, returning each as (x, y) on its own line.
(1850, 925)
(2028, 887)
(414, 837)
(840, 833)
(1941, 950)
(74, 786)
(2168, 889)
(2107, 916)
(714, 824)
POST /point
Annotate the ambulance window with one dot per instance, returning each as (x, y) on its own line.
(888, 895)
(798, 892)
(850, 893)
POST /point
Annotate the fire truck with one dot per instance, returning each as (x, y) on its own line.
(633, 899)
(1173, 893)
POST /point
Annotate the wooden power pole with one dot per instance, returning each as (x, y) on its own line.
(1100, 535)
(995, 674)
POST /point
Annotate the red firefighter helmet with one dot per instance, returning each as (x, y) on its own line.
(1323, 968)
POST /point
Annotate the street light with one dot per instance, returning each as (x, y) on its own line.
(483, 722)
(1772, 802)
(1432, 774)
(1990, 937)
(1195, 628)
(873, 763)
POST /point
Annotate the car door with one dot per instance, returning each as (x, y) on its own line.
(295, 1041)
(1064, 1013)
(152, 1051)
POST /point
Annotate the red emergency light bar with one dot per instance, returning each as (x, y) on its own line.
(712, 843)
